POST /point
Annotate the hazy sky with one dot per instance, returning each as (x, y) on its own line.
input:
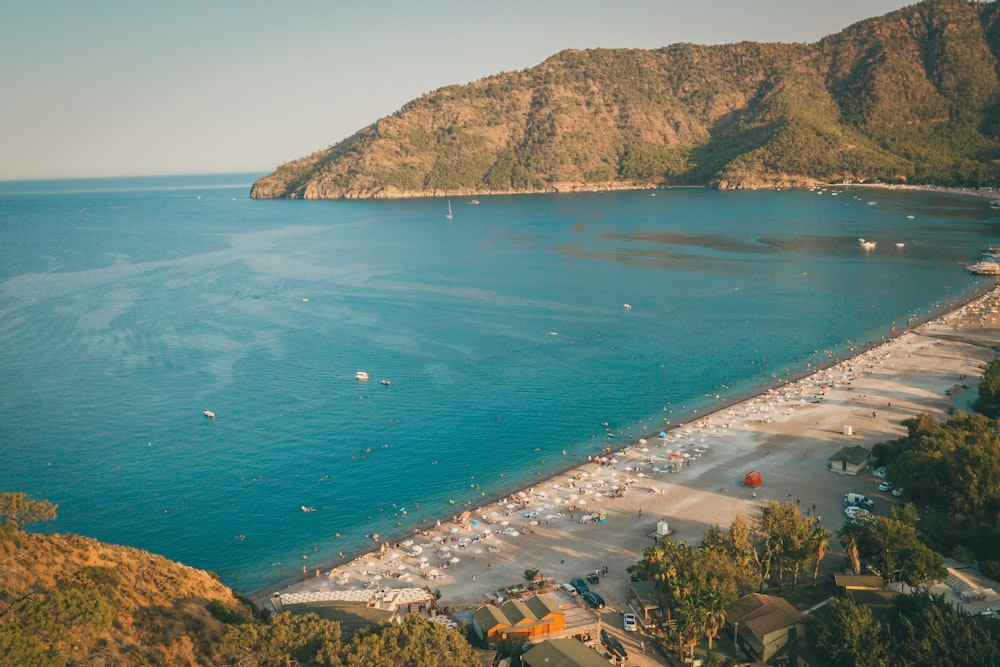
(121, 88)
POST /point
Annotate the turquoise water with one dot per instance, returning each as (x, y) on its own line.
(127, 307)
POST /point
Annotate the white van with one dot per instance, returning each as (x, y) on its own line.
(858, 500)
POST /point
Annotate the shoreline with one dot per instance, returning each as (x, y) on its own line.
(580, 188)
(453, 592)
(606, 448)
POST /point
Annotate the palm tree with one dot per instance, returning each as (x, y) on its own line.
(849, 534)
(529, 576)
(715, 618)
(820, 541)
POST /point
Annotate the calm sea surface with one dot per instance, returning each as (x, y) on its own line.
(127, 307)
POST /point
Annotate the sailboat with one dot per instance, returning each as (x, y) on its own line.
(448, 215)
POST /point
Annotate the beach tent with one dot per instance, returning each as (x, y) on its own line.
(752, 479)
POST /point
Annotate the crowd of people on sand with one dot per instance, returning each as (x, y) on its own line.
(580, 495)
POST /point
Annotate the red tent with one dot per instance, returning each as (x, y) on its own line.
(752, 479)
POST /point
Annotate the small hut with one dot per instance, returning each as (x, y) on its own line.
(752, 479)
(849, 460)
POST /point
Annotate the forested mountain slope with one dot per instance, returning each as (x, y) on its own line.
(912, 96)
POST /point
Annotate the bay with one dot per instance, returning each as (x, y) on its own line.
(518, 338)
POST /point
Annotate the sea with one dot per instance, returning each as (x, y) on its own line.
(503, 345)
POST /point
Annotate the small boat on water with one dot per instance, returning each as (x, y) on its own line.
(984, 267)
(867, 245)
(209, 414)
(474, 202)
(386, 382)
(308, 509)
(361, 376)
(448, 215)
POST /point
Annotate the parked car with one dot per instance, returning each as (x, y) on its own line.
(569, 588)
(579, 584)
(884, 486)
(857, 513)
(897, 492)
(879, 472)
(613, 645)
(629, 622)
(593, 578)
(593, 599)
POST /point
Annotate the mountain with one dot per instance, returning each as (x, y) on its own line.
(912, 96)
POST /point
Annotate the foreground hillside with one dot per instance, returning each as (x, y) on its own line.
(912, 96)
(66, 599)
(71, 600)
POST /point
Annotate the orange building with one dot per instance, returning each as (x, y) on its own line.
(538, 616)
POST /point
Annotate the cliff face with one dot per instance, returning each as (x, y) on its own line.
(910, 96)
(66, 599)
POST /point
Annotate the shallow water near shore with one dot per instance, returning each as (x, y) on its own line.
(127, 307)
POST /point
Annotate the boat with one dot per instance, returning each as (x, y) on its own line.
(867, 245)
(386, 382)
(308, 509)
(900, 245)
(984, 268)
(209, 414)
(474, 202)
(361, 376)
(995, 204)
(448, 214)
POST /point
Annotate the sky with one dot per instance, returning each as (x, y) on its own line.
(125, 88)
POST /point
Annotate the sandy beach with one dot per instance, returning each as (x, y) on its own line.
(787, 434)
